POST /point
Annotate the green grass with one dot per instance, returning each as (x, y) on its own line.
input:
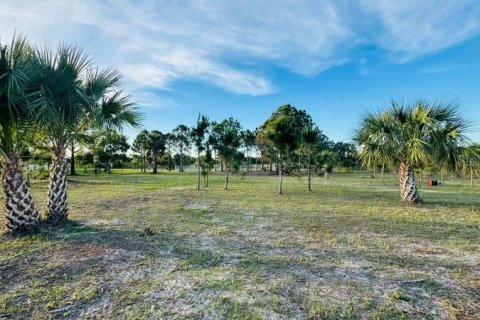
(347, 250)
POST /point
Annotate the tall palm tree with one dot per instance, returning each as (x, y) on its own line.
(410, 136)
(19, 72)
(76, 96)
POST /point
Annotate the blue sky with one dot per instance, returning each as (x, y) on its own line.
(245, 58)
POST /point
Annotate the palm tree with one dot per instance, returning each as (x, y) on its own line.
(156, 145)
(76, 96)
(410, 136)
(19, 72)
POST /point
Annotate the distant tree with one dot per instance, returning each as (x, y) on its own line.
(141, 146)
(283, 130)
(248, 139)
(326, 160)
(309, 140)
(197, 134)
(265, 146)
(182, 140)
(110, 147)
(208, 160)
(347, 155)
(169, 143)
(228, 133)
(409, 136)
(156, 146)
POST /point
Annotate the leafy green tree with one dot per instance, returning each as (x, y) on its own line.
(75, 97)
(19, 73)
(248, 140)
(182, 140)
(140, 147)
(229, 139)
(156, 146)
(283, 130)
(347, 155)
(309, 140)
(326, 160)
(410, 136)
(169, 143)
(110, 147)
(197, 134)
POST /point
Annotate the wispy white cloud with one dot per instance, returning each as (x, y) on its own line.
(231, 44)
(439, 69)
(414, 28)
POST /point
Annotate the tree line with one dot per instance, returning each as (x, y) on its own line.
(224, 145)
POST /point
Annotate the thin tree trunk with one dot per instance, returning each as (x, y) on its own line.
(181, 161)
(169, 160)
(226, 175)
(441, 175)
(471, 176)
(20, 211)
(408, 186)
(309, 173)
(383, 173)
(72, 160)
(207, 178)
(280, 187)
(221, 165)
(155, 165)
(57, 210)
(199, 173)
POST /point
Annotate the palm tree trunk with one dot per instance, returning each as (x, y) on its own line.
(280, 187)
(72, 160)
(408, 186)
(57, 190)
(20, 211)
(309, 173)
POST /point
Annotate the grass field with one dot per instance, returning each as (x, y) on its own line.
(347, 250)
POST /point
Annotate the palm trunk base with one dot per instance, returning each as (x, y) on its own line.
(408, 186)
(57, 192)
(20, 211)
